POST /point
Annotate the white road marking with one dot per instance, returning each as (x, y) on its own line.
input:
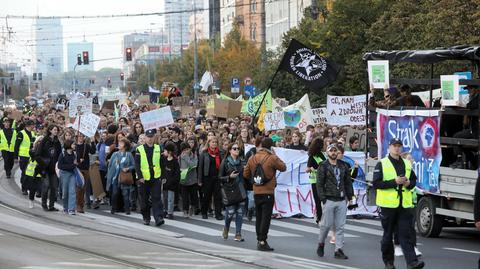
(82, 265)
(248, 227)
(33, 226)
(463, 250)
(367, 221)
(303, 228)
(365, 230)
(184, 264)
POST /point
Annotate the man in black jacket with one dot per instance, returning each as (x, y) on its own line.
(334, 188)
(7, 140)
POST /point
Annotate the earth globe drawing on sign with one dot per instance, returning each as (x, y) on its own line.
(360, 181)
(427, 135)
(292, 117)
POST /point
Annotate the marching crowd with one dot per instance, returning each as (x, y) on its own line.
(199, 165)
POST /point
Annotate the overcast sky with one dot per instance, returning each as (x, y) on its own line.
(105, 45)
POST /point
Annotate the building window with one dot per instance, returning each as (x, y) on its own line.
(253, 31)
(253, 6)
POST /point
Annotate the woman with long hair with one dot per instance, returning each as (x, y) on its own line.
(188, 178)
(208, 168)
(135, 132)
(67, 163)
(297, 142)
(231, 171)
(315, 157)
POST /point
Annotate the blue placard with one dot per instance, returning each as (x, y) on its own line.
(463, 75)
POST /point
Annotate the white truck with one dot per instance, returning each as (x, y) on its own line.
(453, 205)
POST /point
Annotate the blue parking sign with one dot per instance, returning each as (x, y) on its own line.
(235, 85)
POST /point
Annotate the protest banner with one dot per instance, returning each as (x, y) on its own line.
(450, 90)
(110, 94)
(419, 131)
(251, 105)
(274, 121)
(143, 99)
(360, 134)
(88, 124)
(82, 105)
(346, 110)
(181, 101)
(319, 115)
(378, 74)
(124, 110)
(299, 115)
(293, 194)
(156, 118)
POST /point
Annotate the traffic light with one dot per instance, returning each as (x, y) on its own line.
(122, 76)
(39, 76)
(109, 81)
(85, 57)
(128, 54)
(34, 76)
(12, 76)
(79, 59)
(9, 90)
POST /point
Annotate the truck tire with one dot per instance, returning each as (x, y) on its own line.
(428, 224)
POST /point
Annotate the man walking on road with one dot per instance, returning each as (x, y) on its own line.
(24, 143)
(334, 188)
(394, 181)
(147, 166)
(8, 137)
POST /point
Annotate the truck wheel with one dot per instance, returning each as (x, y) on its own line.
(428, 224)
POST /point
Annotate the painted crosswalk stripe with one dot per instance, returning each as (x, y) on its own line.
(463, 250)
(354, 228)
(302, 228)
(247, 227)
(33, 226)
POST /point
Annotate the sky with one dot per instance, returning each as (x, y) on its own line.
(105, 33)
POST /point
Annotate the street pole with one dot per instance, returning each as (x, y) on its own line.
(264, 37)
(75, 78)
(195, 55)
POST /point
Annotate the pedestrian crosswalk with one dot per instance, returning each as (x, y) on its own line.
(33, 226)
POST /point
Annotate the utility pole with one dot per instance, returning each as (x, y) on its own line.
(195, 55)
(264, 36)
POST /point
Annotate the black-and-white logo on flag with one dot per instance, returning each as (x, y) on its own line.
(313, 70)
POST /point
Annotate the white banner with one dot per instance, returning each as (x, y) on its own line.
(299, 115)
(88, 124)
(319, 115)
(111, 94)
(293, 194)
(274, 121)
(82, 105)
(346, 110)
(156, 118)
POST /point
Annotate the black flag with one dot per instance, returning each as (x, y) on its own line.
(313, 70)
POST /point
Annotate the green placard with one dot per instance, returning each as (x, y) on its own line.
(378, 73)
(447, 89)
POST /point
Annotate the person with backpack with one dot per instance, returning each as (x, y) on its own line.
(231, 172)
(170, 177)
(67, 163)
(315, 157)
(83, 151)
(188, 179)
(33, 176)
(261, 170)
(248, 183)
(23, 145)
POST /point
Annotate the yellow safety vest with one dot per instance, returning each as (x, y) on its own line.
(4, 145)
(24, 150)
(144, 167)
(313, 174)
(31, 169)
(389, 197)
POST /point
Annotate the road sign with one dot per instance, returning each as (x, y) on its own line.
(247, 81)
(235, 85)
(250, 91)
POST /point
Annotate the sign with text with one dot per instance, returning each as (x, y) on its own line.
(88, 124)
(156, 118)
(346, 110)
(82, 105)
(378, 74)
(109, 94)
(319, 115)
(419, 131)
(274, 121)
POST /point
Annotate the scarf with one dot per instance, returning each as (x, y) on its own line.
(216, 154)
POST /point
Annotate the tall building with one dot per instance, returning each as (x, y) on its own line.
(249, 19)
(281, 16)
(146, 48)
(214, 20)
(200, 21)
(73, 49)
(48, 46)
(227, 17)
(177, 23)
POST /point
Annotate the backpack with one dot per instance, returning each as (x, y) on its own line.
(259, 178)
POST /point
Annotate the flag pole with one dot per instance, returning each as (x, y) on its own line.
(265, 95)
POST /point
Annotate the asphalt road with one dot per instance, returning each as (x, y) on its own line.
(98, 239)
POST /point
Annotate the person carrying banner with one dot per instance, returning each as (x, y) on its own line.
(315, 157)
(8, 137)
(394, 181)
(268, 163)
(334, 188)
(23, 144)
(147, 167)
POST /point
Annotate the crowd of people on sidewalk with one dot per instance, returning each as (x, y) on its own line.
(188, 166)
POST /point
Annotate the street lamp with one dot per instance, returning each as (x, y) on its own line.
(195, 55)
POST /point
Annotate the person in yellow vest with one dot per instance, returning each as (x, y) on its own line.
(24, 143)
(394, 180)
(33, 178)
(315, 157)
(147, 167)
(8, 137)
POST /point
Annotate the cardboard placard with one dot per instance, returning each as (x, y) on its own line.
(181, 101)
(225, 108)
(143, 99)
(15, 115)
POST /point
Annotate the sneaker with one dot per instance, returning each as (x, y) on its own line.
(204, 216)
(389, 265)
(38, 195)
(112, 211)
(191, 210)
(65, 211)
(89, 206)
(24, 192)
(416, 265)
(263, 246)
(185, 214)
(146, 222)
(250, 214)
(398, 251)
(219, 217)
(31, 204)
(321, 250)
(417, 252)
(159, 222)
(96, 204)
(127, 211)
(340, 255)
(170, 216)
(71, 212)
(238, 238)
(52, 209)
(225, 233)
(45, 207)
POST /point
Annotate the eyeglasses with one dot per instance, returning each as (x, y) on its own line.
(235, 148)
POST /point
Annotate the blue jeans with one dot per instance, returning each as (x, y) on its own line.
(169, 199)
(236, 210)
(124, 190)
(251, 201)
(68, 190)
